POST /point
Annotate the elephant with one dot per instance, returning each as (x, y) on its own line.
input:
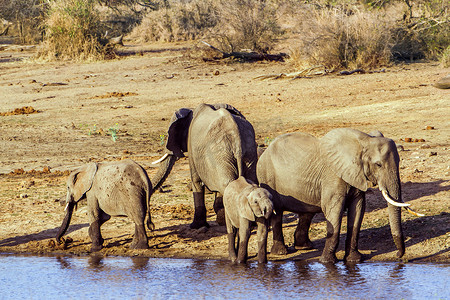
(245, 202)
(112, 189)
(221, 146)
(308, 175)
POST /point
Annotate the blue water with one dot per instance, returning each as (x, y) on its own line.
(33, 277)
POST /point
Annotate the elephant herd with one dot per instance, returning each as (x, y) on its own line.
(297, 172)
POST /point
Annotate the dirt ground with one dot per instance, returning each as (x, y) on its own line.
(55, 116)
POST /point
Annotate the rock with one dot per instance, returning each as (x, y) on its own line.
(443, 83)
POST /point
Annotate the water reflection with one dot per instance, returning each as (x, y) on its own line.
(140, 277)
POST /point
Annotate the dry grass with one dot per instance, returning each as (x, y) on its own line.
(338, 39)
(231, 25)
(72, 31)
(178, 22)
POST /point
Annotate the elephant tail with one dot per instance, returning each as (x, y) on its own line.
(150, 224)
(66, 221)
(149, 191)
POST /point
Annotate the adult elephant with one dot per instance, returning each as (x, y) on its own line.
(307, 175)
(221, 146)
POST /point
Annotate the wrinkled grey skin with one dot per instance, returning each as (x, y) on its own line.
(111, 189)
(307, 175)
(245, 202)
(221, 146)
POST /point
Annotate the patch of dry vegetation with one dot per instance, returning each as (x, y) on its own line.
(72, 31)
(338, 34)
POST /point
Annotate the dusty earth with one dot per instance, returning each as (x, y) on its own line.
(55, 116)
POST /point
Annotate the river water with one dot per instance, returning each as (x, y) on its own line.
(95, 277)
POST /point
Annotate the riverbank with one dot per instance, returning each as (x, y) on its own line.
(120, 108)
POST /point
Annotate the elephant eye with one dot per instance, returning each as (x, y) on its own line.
(378, 164)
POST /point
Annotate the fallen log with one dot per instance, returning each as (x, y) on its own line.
(249, 56)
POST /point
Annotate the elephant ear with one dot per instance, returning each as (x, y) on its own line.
(343, 151)
(244, 206)
(178, 132)
(80, 181)
(230, 108)
(376, 133)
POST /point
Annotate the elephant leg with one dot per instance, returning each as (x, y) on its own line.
(301, 238)
(140, 239)
(219, 209)
(262, 239)
(199, 203)
(278, 246)
(333, 215)
(232, 253)
(96, 219)
(244, 236)
(356, 209)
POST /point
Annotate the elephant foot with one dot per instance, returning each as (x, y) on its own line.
(262, 260)
(353, 257)
(278, 249)
(197, 225)
(308, 245)
(241, 260)
(329, 258)
(95, 248)
(141, 245)
(220, 217)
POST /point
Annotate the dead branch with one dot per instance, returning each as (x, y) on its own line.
(249, 56)
(305, 73)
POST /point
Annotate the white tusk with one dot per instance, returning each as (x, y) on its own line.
(393, 202)
(67, 205)
(161, 159)
(414, 213)
(274, 212)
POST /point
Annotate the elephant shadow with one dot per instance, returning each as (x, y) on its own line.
(375, 201)
(379, 240)
(182, 232)
(43, 235)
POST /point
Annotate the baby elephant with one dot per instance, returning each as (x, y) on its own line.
(245, 202)
(111, 189)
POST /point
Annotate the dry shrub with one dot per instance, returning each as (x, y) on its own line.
(248, 24)
(338, 38)
(72, 31)
(179, 21)
(445, 58)
(232, 25)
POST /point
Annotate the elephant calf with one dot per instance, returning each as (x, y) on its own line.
(244, 203)
(111, 189)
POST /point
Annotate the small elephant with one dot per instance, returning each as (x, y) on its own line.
(111, 189)
(307, 175)
(244, 203)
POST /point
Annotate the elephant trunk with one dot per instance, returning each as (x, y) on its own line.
(395, 214)
(267, 209)
(66, 221)
(167, 163)
(396, 228)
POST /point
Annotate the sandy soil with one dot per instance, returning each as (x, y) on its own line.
(77, 106)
